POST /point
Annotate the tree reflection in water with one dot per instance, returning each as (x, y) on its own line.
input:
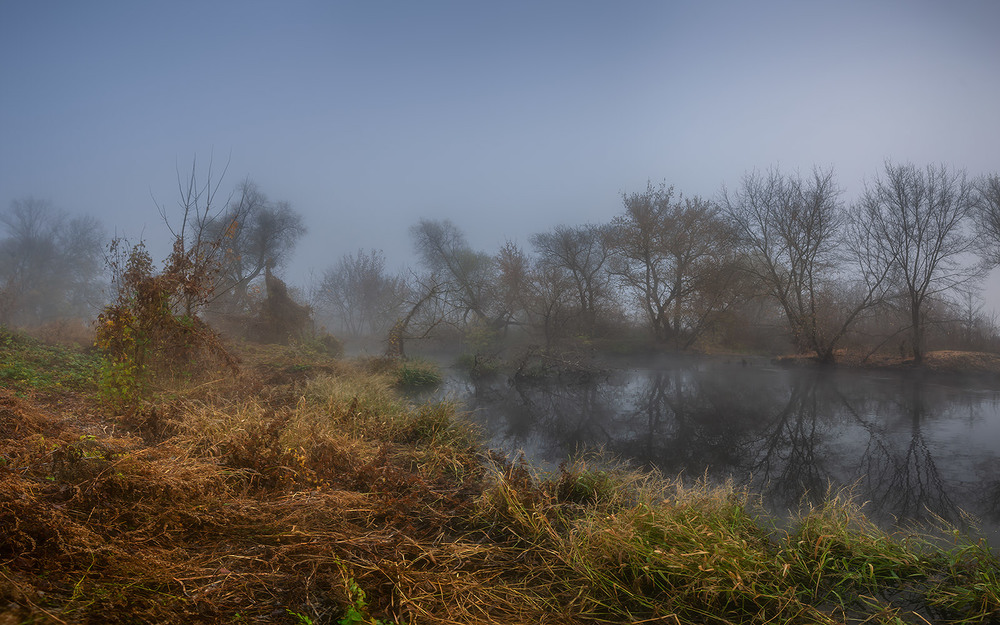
(788, 460)
(901, 475)
(910, 447)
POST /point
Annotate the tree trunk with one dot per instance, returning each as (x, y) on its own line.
(918, 334)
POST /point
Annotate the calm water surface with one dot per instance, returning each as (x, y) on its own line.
(912, 446)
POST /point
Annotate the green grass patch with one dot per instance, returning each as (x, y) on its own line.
(417, 374)
(29, 365)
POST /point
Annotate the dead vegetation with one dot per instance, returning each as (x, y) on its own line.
(243, 501)
(985, 365)
(306, 490)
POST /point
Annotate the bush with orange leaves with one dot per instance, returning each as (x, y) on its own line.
(151, 330)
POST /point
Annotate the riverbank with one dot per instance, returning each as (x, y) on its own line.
(308, 490)
(983, 366)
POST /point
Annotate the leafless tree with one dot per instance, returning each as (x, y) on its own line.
(918, 225)
(196, 257)
(422, 311)
(676, 256)
(468, 278)
(581, 253)
(549, 302)
(361, 295)
(973, 327)
(988, 217)
(50, 263)
(221, 245)
(514, 270)
(791, 231)
(255, 233)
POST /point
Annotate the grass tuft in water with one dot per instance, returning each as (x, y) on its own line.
(418, 374)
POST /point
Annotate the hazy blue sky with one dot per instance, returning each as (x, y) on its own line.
(506, 117)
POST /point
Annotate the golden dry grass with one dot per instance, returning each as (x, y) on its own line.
(305, 486)
(939, 361)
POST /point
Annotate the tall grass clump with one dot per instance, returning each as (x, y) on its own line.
(435, 435)
(694, 554)
(368, 405)
(839, 558)
(968, 582)
(836, 555)
(363, 403)
(417, 374)
(638, 548)
(408, 374)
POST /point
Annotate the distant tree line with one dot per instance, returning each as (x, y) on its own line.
(51, 264)
(54, 267)
(780, 261)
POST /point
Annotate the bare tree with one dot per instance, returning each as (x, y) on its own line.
(988, 217)
(196, 257)
(423, 309)
(918, 225)
(675, 256)
(255, 233)
(581, 253)
(220, 246)
(363, 298)
(791, 231)
(549, 302)
(514, 270)
(973, 327)
(468, 278)
(50, 263)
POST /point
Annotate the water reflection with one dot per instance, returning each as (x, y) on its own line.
(912, 447)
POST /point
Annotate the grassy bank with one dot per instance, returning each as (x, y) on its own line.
(307, 490)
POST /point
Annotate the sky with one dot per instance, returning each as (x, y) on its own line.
(508, 118)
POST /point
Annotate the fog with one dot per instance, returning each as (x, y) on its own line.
(506, 118)
(491, 175)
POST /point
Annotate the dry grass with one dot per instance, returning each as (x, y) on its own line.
(306, 486)
(941, 361)
(963, 362)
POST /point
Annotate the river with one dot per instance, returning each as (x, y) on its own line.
(913, 446)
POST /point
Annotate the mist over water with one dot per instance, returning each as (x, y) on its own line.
(913, 447)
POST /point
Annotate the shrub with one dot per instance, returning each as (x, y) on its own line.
(151, 328)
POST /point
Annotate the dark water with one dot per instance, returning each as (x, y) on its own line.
(911, 446)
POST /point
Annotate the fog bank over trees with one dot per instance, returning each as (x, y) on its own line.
(778, 262)
(51, 264)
